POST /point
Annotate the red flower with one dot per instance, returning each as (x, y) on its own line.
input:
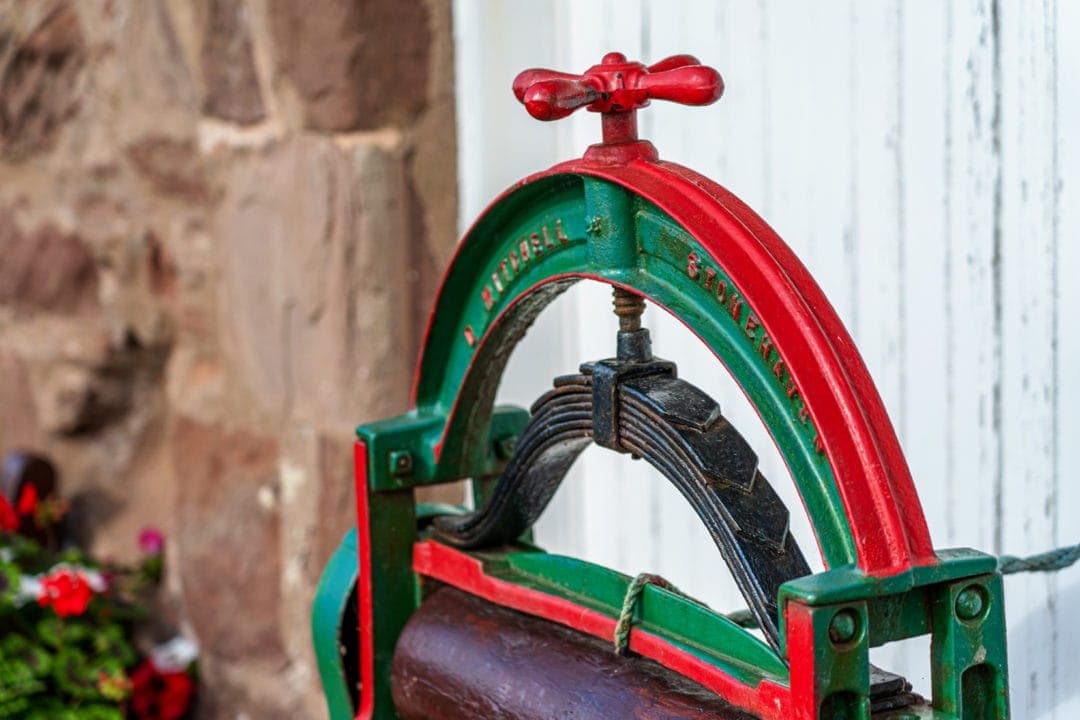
(157, 695)
(67, 591)
(9, 521)
(151, 540)
(28, 500)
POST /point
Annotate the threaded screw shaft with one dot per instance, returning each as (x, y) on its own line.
(628, 307)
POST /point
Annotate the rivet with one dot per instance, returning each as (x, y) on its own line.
(504, 447)
(401, 463)
(971, 602)
(844, 626)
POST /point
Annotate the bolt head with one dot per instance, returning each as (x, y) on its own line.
(504, 447)
(401, 463)
(971, 603)
(844, 627)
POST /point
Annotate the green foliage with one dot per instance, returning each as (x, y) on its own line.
(55, 667)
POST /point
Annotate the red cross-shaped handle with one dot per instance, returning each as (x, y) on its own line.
(617, 88)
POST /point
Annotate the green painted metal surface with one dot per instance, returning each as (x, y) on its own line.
(692, 627)
(589, 227)
(328, 610)
(842, 668)
(969, 667)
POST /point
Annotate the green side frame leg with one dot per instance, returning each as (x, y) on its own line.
(328, 614)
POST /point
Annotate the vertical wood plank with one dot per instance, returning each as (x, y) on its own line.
(1025, 302)
(880, 277)
(924, 427)
(918, 410)
(828, 117)
(878, 241)
(806, 163)
(498, 143)
(493, 41)
(972, 357)
(1065, 17)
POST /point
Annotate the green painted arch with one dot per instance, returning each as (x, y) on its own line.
(546, 234)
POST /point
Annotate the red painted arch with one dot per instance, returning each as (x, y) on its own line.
(872, 476)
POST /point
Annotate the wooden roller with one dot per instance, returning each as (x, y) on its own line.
(461, 657)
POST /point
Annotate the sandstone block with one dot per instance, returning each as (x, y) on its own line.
(231, 83)
(228, 534)
(357, 64)
(19, 426)
(316, 316)
(173, 167)
(74, 399)
(41, 54)
(83, 395)
(45, 269)
(153, 83)
(337, 498)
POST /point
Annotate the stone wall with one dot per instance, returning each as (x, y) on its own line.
(221, 226)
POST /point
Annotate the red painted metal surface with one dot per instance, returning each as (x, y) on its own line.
(443, 563)
(365, 596)
(617, 88)
(802, 660)
(617, 85)
(874, 481)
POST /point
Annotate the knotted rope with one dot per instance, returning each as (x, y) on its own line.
(629, 603)
(743, 618)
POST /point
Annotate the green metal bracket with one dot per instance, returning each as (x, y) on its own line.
(958, 601)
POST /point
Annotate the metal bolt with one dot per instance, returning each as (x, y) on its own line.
(401, 463)
(970, 603)
(844, 626)
(504, 447)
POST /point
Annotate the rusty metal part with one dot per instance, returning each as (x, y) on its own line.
(628, 307)
(461, 657)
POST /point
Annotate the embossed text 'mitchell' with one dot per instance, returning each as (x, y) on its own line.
(527, 250)
(732, 304)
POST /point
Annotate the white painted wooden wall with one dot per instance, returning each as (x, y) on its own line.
(923, 159)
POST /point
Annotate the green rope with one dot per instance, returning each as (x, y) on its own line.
(1050, 561)
(742, 618)
(629, 603)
